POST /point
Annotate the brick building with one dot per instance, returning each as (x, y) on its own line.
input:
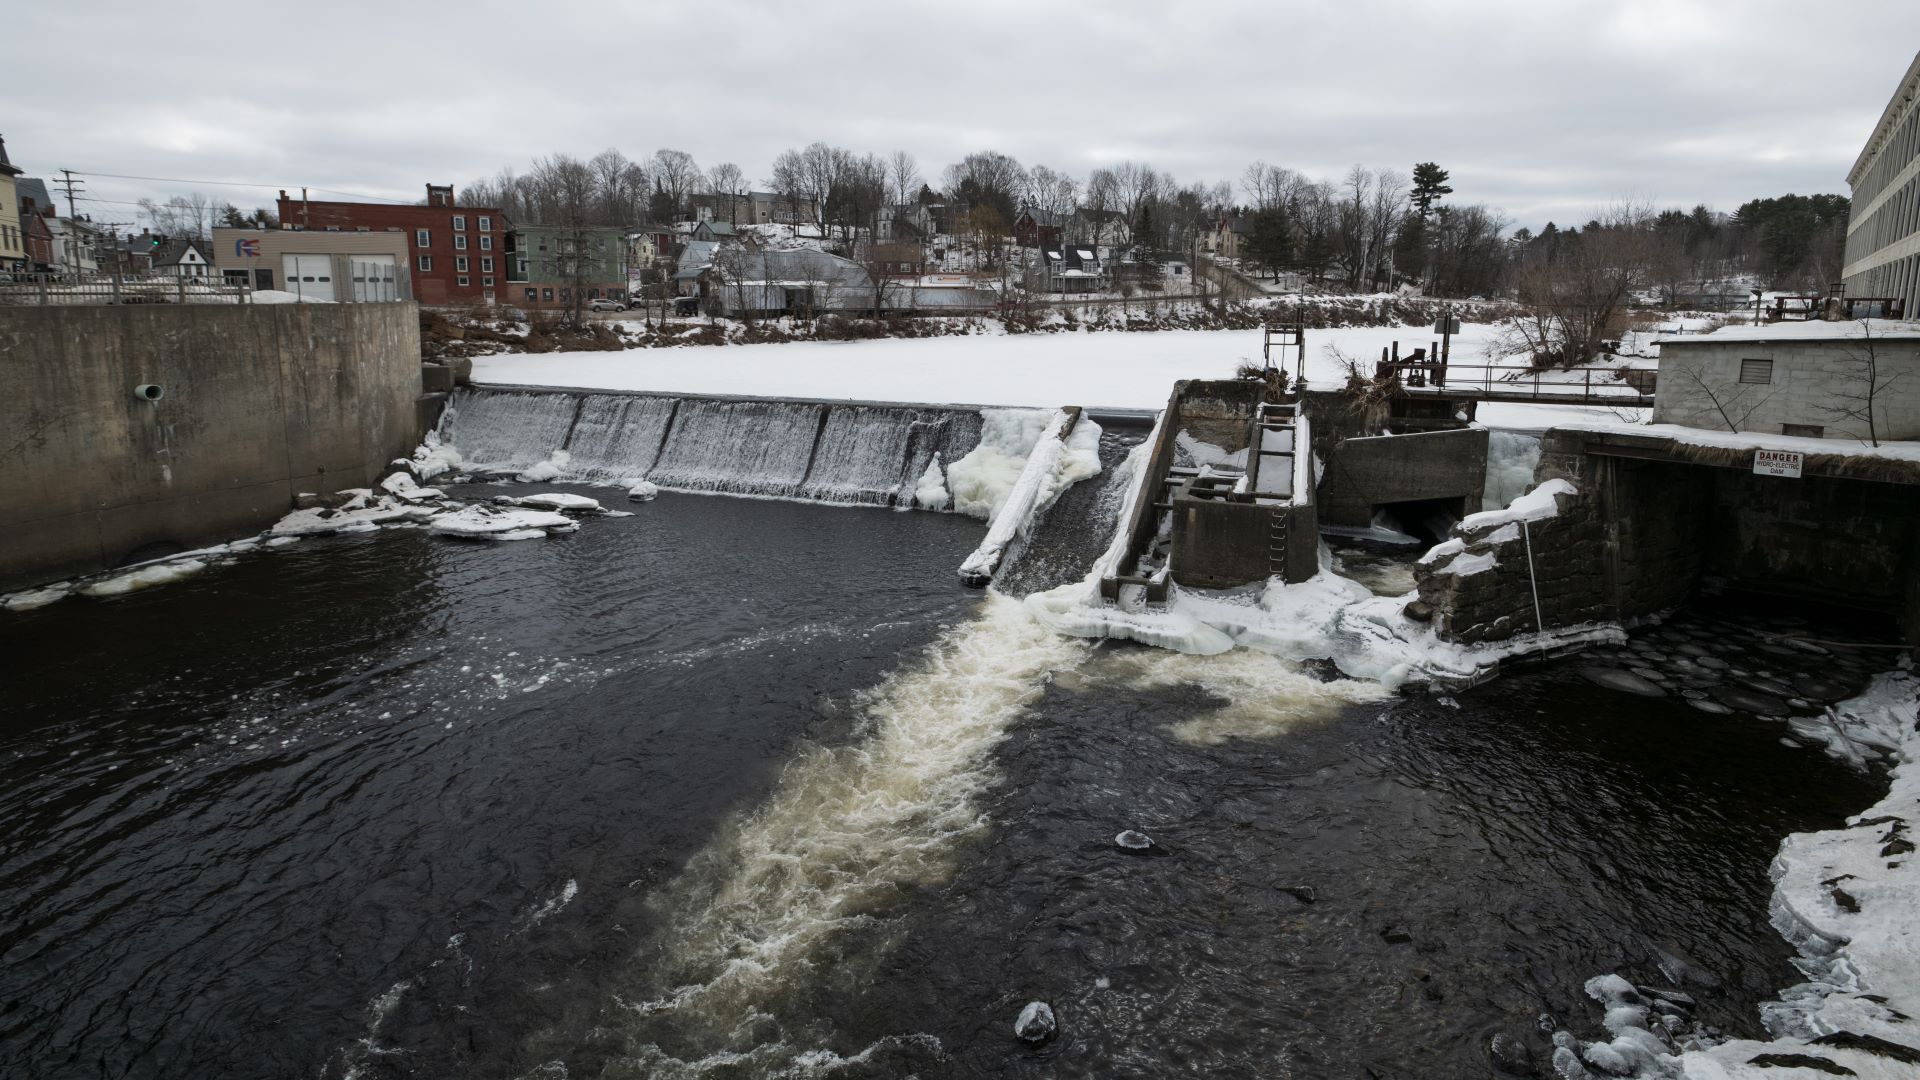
(458, 253)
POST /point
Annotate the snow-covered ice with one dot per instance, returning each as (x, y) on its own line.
(495, 523)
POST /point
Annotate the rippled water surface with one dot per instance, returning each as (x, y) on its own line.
(743, 788)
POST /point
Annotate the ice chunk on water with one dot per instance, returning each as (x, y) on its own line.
(37, 598)
(551, 500)
(641, 491)
(144, 578)
(1615, 679)
(493, 523)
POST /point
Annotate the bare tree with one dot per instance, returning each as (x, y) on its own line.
(676, 175)
(807, 177)
(729, 183)
(903, 177)
(1575, 293)
(182, 216)
(989, 177)
(1859, 394)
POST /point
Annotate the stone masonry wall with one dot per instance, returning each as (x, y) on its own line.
(1479, 588)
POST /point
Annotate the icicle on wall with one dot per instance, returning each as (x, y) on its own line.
(862, 454)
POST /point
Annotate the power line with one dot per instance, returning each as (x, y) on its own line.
(232, 183)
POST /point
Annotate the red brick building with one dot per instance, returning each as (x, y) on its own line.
(459, 253)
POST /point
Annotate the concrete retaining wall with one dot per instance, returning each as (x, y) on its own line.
(1366, 473)
(260, 402)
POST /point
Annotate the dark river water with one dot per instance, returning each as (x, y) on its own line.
(740, 788)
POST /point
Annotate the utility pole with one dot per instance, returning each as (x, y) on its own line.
(70, 185)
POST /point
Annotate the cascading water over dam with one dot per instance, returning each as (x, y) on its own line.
(857, 454)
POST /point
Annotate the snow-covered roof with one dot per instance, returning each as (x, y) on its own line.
(1752, 440)
(1852, 330)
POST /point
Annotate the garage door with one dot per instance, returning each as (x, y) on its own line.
(373, 278)
(309, 276)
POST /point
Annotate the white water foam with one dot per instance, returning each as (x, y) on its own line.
(844, 829)
(1263, 696)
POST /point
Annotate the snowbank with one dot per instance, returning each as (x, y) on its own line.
(1849, 900)
(1752, 440)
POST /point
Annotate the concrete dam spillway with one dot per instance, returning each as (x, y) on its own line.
(846, 453)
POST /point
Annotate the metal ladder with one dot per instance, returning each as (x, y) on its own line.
(1277, 542)
(1272, 418)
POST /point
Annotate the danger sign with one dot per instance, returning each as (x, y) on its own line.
(1776, 463)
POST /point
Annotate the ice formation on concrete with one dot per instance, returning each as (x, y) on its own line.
(1054, 464)
(543, 471)
(930, 493)
(982, 480)
(1511, 458)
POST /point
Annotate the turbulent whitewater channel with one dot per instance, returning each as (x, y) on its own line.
(750, 788)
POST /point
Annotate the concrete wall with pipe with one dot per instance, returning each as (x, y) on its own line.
(255, 403)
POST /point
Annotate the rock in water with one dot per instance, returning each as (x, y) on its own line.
(1396, 935)
(1133, 842)
(642, 492)
(1510, 1055)
(1036, 1023)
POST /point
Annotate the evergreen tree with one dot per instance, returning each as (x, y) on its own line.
(1269, 242)
(1429, 184)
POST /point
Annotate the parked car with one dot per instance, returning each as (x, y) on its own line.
(606, 305)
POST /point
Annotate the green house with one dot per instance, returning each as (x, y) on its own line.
(545, 261)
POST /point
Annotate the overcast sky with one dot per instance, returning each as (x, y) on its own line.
(1545, 109)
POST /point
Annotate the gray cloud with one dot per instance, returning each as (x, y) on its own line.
(1544, 109)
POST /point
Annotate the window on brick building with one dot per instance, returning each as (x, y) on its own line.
(462, 282)
(486, 243)
(459, 222)
(486, 224)
(532, 295)
(459, 241)
(423, 238)
(460, 263)
(546, 294)
(487, 281)
(486, 264)
(426, 264)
